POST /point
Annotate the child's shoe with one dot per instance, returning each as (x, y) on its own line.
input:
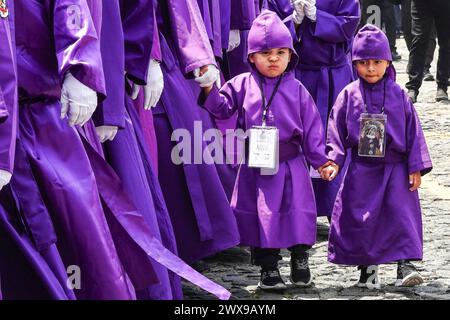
(300, 273)
(407, 275)
(271, 280)
(369, 277)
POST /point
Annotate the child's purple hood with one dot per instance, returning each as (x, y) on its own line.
(371, 43)
(268, 32)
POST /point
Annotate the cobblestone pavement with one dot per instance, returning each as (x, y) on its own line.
(233, 270)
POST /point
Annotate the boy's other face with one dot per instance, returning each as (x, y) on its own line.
(371, 70)
(271, 63)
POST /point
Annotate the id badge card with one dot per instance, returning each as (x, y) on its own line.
(372, 135)
(263, 147)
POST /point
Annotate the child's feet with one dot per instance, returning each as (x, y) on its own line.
(271, 280)
(407, 275)
(300, 273)
(369, 277)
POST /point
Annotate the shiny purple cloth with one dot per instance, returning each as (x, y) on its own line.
(202, 219)
(62, 170)
(274, 211)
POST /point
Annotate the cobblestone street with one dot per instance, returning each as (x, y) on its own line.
(233, 270)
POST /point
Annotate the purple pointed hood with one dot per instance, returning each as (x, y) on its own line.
(371, 43)
(268, 32)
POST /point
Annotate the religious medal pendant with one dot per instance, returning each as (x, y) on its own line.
(4, 12)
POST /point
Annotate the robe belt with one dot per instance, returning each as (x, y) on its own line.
(388, 158)
(23, 100)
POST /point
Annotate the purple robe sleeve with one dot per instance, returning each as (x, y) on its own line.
(418, 156)
(225, 16)
(340, 27)
(220, 104)
(138, 27)
(8, 94)
(156, 45)
(313, 144)
(243, 12)
(189, 35)
(77, 42)
(111, 111)
(337, 131)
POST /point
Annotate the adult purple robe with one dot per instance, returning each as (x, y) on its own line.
(29, 261)
(54, 151)
(324, 68)
(376, 219)
(202, 219)
(274, 211)
(139, 181)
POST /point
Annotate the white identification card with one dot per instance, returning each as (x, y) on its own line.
(263, 147)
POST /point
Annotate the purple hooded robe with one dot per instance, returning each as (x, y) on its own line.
(376, 219)
(274, 211)
(324, 68)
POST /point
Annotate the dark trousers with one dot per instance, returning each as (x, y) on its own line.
(387, 18)
(407, 33)
(424, 12)
(267, 258)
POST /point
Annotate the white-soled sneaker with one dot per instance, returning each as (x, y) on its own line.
(407, 275)
(271, 280)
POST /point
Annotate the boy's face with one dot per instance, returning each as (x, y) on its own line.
(371, 70)
(271, 63)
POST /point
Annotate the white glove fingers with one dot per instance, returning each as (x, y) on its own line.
(74, 113)
(135, 91)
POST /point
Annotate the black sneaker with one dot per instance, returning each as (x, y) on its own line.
(441, 95)
(407, 275)
(412, 94)
(369, 277)
(271, 280)
(427, 76)
(300, 273)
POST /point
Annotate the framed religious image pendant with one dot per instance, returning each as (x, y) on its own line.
(4, 12)
(263, 147)
(372, 135)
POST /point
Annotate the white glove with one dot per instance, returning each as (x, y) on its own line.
(5, 178)
(299, 11)
(154, 87)
(311, 9)
(78, 100)
(106, 133)
(235, 40)
(211, 76)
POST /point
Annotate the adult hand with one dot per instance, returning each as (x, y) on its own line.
(105, 133)
(154, 87)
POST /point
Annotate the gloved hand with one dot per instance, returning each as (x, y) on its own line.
(299, 11)
(5, 178)
(208, 77)
(311, 9)
(235, 40)
(106, 133)
(77, 100)
(154, 87)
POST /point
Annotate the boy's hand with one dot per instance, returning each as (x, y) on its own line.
(207, 75)
(415, 180)
(329, 171)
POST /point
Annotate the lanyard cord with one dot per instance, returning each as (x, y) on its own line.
(264, 106)
(384, 98)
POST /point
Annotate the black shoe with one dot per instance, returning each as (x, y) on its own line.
(427, 76)
(271, 280)
(441, 95)
(407, 275)
(412, 94)
(369, 277)
(396, 56)
(300, 273)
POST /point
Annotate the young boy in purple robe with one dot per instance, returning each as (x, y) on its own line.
(376, 217)
(274, 211)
